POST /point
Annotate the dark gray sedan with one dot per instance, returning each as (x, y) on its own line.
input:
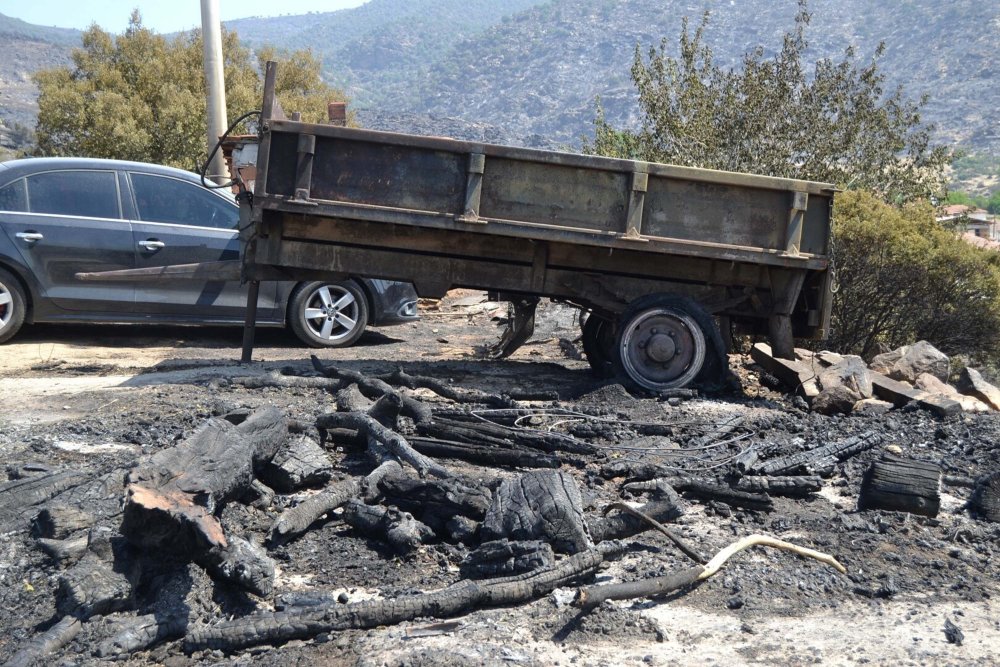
(63, 216)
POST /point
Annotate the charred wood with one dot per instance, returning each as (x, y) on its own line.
(274, 627)
(243, 564)
(92, 587)
(444, 390)
(59, 521)
(277, 380)
(65, 551)
(505, 557)
(538, 505)
(19, 498)
(398, 528)
(986, 497)
(296, 520)
(621, 526)
(374, 388)
(444, 498)
(142, 633)
(302, 462)
(722, 430)
(902, 485)
(803, 461)
(503, 436)
(789, 486)
(350, 399)
(46, 643)
(710, 491)
(392, 441)
(489, 455)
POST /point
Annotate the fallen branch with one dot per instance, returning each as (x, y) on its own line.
(673, 537)
(394, 442)
(444, 390)
(374, 389)
(592, 596)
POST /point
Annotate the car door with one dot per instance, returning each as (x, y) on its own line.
(180, 222)
(71, 222)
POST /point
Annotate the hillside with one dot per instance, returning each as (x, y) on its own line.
(530, 70)
(27, 48)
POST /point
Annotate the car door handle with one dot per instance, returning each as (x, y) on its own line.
(30, 237)
(152, 245)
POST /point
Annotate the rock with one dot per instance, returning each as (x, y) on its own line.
(912, 360)
(851, 372)
(836, 400)
(931, 385)
(971, 383)
(872, 406)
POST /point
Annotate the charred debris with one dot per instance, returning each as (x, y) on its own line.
(520, 494)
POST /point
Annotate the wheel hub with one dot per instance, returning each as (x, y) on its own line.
(662, 348)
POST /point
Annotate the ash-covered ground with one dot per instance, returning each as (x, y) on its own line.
(97, 401)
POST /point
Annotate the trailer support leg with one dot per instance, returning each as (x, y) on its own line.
(780, 332)
(250, 321)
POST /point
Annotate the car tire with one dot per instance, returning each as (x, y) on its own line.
(13, 305)
(326, 314)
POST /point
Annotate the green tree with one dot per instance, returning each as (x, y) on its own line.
(140, 96)
(903, 278)
(772, 116)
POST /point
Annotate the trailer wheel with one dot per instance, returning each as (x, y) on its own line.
(599, 345)
(661, 343)
(328, 314)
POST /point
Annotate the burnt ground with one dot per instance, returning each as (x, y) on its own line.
(98, 399)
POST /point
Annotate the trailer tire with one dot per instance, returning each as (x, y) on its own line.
(667, 341)
(598, 340)
(13, 305)
(314, 319)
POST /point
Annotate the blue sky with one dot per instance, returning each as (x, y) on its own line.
(171, 16)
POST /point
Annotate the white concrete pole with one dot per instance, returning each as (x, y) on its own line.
(215, 85)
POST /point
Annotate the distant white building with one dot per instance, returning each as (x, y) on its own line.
(976, 223)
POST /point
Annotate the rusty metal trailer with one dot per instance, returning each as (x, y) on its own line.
(657, 254)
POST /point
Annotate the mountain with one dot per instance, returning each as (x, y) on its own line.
(529, 71)
(28, 48)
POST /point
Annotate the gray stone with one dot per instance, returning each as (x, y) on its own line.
(872, 406)
(921, 357)
(835, 400)
(971, 383)
(851, 372)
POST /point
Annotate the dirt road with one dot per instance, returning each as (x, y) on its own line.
(99, 398)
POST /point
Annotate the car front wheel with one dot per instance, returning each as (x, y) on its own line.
(328, 314)
(12, 305)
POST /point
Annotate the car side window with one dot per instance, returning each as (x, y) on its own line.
(164, 199)
(13, 197)
(92, 194)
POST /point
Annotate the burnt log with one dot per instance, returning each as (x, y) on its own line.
(374, 389)
(621, 526)
(445, 390)
(275, 379)
(807, 461)
(92, 587)
(505, 557)
(435, 502)
(302, 462)
(985, 499)
(171, 500)
(488, 455)
(704, 490)
(634, 470)
(466, 595)
(46, 643)
(59, 521)
(243, 564)
(722, 430)
(142, 633)
(901, 485)
(350, 399)
(19, 498)
(487, 433)
(399, 529)
(788, 486)
(392, 441)
(66, 551)
(296, 520)
(538, 505)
